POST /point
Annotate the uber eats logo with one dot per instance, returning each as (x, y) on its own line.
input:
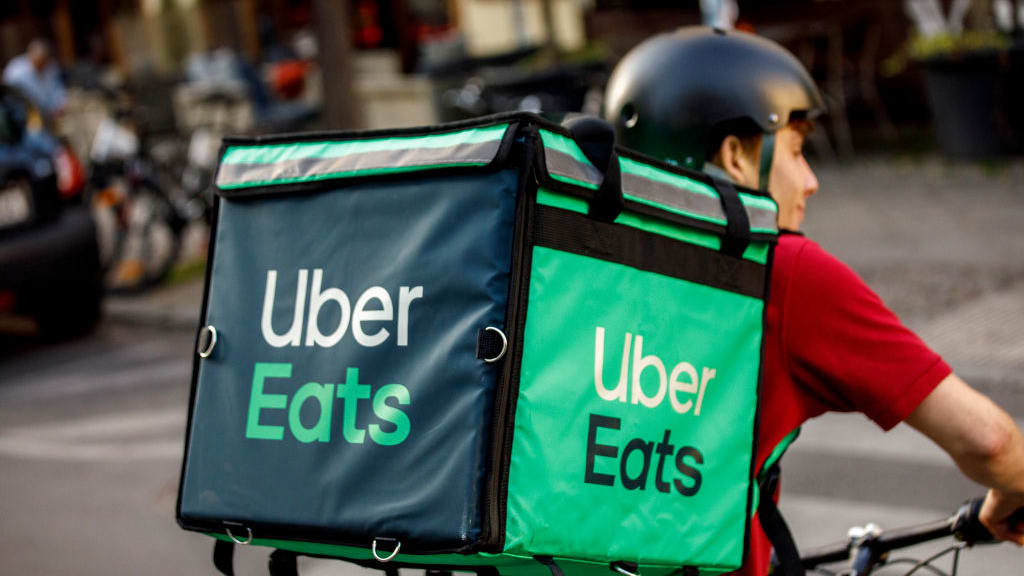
(644, 463)
(372, 321)
(349, 393)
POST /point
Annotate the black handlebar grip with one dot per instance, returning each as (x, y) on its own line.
(968, 528)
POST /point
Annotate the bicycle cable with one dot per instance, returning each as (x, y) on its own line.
(915, 562)
(926, 563)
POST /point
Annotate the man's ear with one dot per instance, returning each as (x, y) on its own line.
(730, 151)
(736, 161)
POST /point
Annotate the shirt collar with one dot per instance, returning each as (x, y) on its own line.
(715, 172)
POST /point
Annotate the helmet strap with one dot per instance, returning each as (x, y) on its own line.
(767, 153)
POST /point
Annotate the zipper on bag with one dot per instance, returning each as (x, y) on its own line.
(504, 411)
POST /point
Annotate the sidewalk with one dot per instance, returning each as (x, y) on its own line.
(174, 306)
(943, 245)
(984, 339)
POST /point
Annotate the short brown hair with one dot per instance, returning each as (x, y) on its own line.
(746, 130)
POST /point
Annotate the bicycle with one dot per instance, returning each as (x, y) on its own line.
(139, 222)
(868, 548)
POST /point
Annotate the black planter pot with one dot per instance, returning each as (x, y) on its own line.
(1014, 78)
(973, 108)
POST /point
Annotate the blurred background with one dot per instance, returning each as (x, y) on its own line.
(138, 93)
(111, 116)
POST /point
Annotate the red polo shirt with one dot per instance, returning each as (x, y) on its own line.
(831, 345)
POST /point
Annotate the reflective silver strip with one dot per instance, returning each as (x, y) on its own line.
(240, 175)
(761, 219)
(561, 164)
(694, 204)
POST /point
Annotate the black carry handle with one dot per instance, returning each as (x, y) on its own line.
(596, 138)
(785, 556)
(968, 528)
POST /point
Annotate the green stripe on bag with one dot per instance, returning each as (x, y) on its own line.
(260, 165)
(566, 162)
(757, 251)
(272, 153)
(661, 189)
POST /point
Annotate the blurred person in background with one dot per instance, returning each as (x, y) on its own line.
(37, 75)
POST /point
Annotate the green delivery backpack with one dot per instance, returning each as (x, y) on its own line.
(498, 346)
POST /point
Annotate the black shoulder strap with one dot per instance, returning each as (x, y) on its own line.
(737, 226)
(282, 563)
(224, 557)
(548, 561)
(786, 554)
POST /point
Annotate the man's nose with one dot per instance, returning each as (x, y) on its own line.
(810, 181)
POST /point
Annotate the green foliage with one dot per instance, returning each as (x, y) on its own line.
(922, 48)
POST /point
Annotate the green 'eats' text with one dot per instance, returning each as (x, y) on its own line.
(349, 392)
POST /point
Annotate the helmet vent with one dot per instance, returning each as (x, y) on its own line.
(629, 115)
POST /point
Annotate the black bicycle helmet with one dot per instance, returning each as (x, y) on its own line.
(669, 95)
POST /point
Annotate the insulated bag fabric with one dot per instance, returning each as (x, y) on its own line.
(347, 321)
(478, 346)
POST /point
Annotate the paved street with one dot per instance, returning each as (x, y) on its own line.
(91, 431)
(90, 444)
(91, 437)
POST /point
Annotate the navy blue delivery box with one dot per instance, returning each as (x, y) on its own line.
(498, 343)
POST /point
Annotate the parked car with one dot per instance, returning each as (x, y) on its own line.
(49, 258)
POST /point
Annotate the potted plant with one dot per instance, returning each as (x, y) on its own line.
(972, 74)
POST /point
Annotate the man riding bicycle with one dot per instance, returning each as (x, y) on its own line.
(739, 108)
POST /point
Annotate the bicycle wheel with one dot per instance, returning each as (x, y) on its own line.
(148, 240)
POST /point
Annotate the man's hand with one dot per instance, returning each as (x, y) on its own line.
(995, 514)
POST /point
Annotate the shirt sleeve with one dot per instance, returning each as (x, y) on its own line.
(56, 95)
(847, 349)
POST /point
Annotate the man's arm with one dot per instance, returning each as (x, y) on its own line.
(985, 443)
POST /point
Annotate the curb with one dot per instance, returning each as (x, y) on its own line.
(153, 319)
(176, 306)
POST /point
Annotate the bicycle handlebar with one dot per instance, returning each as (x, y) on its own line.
(964, 526)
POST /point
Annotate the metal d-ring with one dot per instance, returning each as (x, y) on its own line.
(206, 351)
(236, 540)
(373, 549)
(504, 344)
(618, 568)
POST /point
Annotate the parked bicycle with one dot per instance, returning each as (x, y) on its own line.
(139, 223)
